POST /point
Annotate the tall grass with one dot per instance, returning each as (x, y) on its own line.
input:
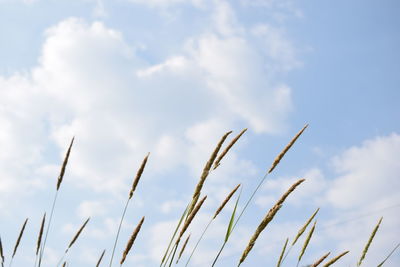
(188, 215)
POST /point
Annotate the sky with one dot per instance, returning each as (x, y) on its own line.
(170, 77)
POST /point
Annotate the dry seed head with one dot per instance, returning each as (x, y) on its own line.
(228, 147)
(131, 240)
(302, 229)
(268, 218)
(39, 241)
(369, 242)
(183, 248)
(190, 219)
(64, 165)
(318, 262)
(288, 146)
(335, 259)
(19, 238)
(282, 253)
(226, 201)
(138, 175)
(78, 233)
(206, 171)
(307, 241)
(101, 257)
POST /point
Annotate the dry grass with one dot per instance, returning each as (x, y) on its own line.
(19, 237)
(131, 240)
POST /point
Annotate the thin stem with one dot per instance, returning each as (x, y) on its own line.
(240, 215)
(119, 229)
(173, 255)
(48, 229)
(201, 237)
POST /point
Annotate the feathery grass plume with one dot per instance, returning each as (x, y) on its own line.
(101, 257)
(282, 253)
(64, 165)
(320, 260)
(304, 227)
(131, 240)
(183, 248)
(306, 242)
(1, 254)
(133, 188)
(267, 219)
(190, 219)
(388, 256)
(59, 181)
(19, 238)
(206, 171)
(138, 175)
(228, 147)
(258, 187)
(39, 240)
(335, 259)
(369, 242)
(280, 156)
(228, 197)
(77, 234)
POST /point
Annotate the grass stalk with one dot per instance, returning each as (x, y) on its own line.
(364, 253)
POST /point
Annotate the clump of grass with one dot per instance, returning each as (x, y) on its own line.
(218, 211)
(369, 242)
(267, 219)
(131, 240)
(335, 259)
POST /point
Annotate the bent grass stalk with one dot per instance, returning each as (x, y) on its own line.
(133, 188)
(21, 232)
(335, 259)
(131, 240)
(320, 260)
(73, 240)
(388, 256)
(101, 257)
(282, 253)
(273, 166)
(306, 242)
(197, 191)
(300, 233)
(218, 211)
(369, 242)
(267, 219)
(59, 181)
(183, 248)
(39, 240)
(228, 147)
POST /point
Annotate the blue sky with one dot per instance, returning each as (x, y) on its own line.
(171, 77)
